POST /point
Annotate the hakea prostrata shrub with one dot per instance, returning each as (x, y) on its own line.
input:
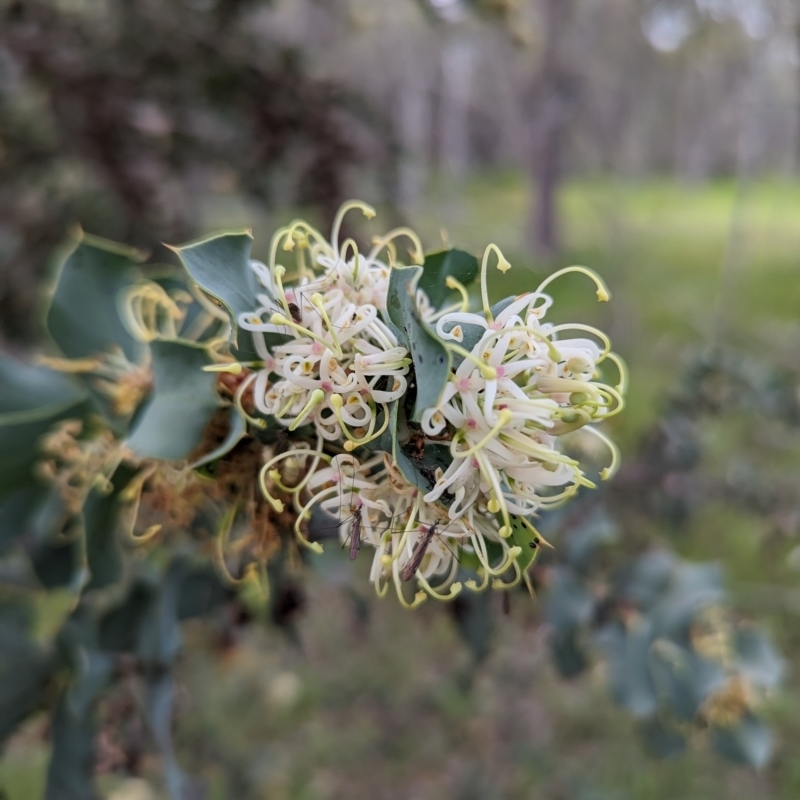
(362, 390)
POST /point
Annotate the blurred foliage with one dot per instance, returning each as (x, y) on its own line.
(121, 116)
(677, 657)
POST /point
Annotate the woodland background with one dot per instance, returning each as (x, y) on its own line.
(656, 141)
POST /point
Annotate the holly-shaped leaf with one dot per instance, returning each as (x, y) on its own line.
(83, 317)
(220, 266)
(184, 400)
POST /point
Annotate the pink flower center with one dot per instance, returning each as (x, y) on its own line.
(327, 386)
(463, 385)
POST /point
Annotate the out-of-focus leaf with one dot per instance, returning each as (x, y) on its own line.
(693, 587)
(473, 615)
(757, 658)
(629, 675)
(568, 602)
(160, 702)
(32, 400)
(568, 607)
(159, 635)
(237, 429)
(584, 540)
(750, 742)
(646, 579)
(661, 739)
(431, 359)
(83, 318)
(55, 563)
(25, 669)
(73, 730)
(439, 266)
(220, 265)
(674, 678)
(69, 776)
(118, 628)
(201, 592)
(184, 400)
(100, 517)
(28, 514)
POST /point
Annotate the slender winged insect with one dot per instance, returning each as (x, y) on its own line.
(418, 554)
(355, 525)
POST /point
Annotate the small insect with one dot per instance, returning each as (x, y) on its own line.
(294, 310)
(355, 534)
(281, 442)
(416, 447)
(419, 553)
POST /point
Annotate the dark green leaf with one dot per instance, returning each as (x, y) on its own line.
(749, 742)
(25, 669)
(32, 400)
(431, 359)
(159, 636)
(675, 679)
(581, 545)
(160, 703)
(83, 318)
(473, 615)
(220, 265)
(101, 516)
(439, 266)
(757, 658)
(69, 776)
(184, 399)
(629, 674)
(237, 428)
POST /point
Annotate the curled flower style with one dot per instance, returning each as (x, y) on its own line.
(410, 538)
(330, 358)
(516, 389)
(339, 363)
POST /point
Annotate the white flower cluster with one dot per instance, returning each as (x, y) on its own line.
(328, 359)
(340, 364)
(516, 390)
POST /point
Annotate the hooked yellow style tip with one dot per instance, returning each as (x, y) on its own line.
(275, 503)
(349, 446)
(369, 212)
(232, 369)
(278, 319)
(505, 531)
(503, 265)
(603, 296)
(336, 401)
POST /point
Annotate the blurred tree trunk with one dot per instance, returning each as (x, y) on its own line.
(553, 91)
(797, 96)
